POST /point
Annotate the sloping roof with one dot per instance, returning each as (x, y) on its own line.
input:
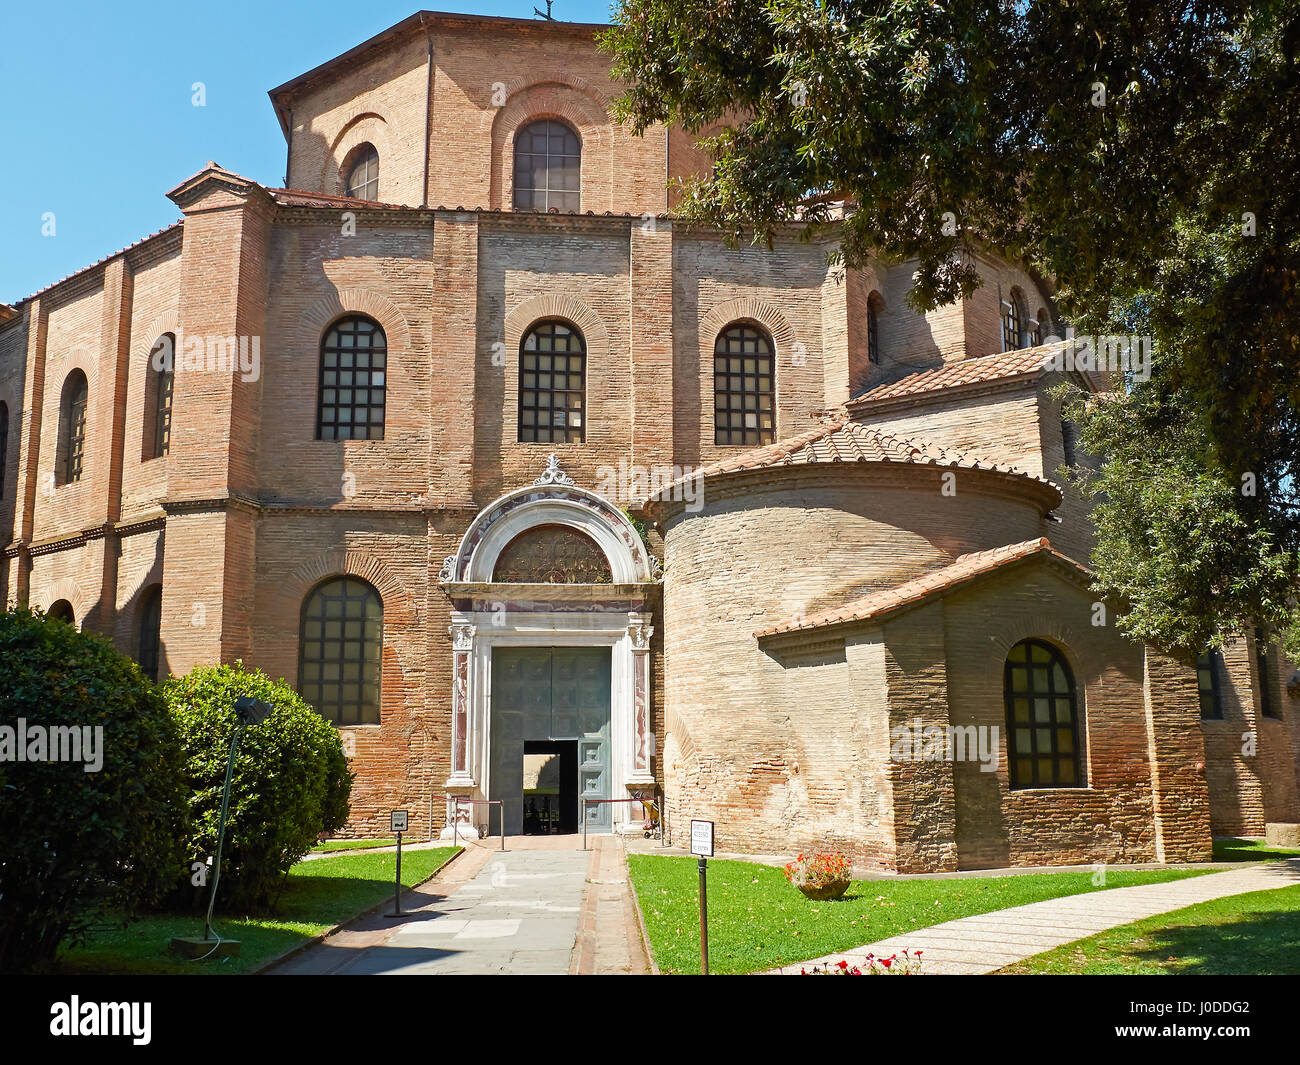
(842, 441)
(302, 198)
(100, 262)
(409, 25)
(961, 571)
(1026, 362)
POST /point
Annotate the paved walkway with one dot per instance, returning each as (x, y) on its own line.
(985, 943)
(542, 907)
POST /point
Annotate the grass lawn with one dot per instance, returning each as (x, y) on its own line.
(1248, 850)
(759, 921)
(318, 895)
(1253, 934)
(332, 845)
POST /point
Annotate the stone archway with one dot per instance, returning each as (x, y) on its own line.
(489, 615)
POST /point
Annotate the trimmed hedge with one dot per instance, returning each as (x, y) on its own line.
(74, 844)
(291, 780)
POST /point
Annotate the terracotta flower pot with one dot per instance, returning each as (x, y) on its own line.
(832, 889)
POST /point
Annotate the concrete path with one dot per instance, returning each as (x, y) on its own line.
(985, 943)
(543, 907)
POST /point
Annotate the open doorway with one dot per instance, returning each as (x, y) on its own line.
(550, 787)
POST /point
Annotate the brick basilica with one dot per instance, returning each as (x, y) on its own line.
(541, 495)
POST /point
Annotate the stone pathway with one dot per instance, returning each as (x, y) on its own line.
(542, 907)
(985, 943)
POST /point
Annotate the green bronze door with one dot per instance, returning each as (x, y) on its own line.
(550, 693)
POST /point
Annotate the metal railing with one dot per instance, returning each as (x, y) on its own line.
(456, 802)
(653, 803)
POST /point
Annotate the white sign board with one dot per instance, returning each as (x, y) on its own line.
(397, 820)
(702, 839)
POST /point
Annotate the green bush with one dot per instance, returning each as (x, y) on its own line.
(75, 844)
(291, 781)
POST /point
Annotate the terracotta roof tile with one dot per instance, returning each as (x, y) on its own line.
(964, 568)
(100, 262)
(848, 442)
(1007, 364)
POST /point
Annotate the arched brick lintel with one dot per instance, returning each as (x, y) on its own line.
(765, 313)
(362, 301)
(572, 100)
(69, 589)
(563, 306)
(399, 605)
(368, 127)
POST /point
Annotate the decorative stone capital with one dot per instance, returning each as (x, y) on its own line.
(639, 631)
(448, 571)
(462, 636)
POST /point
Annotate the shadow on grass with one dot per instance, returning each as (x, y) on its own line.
(1260, 942)
(317, 896)
(1231, 849)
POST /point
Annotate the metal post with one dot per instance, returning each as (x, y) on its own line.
(397, 889)
(582, 812)
(704, 917)
(502, 804)
(221, 831)
(455, 821)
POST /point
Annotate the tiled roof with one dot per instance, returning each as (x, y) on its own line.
(965, 568)
(301, 198)
(100, 262)
(843, 441)
(1008, 364)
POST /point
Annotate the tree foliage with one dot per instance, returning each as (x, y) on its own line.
(290, 782)
(1143, 155)
(77, 845)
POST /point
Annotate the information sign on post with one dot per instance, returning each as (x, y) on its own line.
(397, 822)
(702, 848)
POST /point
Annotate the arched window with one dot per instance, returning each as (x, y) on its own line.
(362, 181)
(743, 386)
(61, 611)
(4, 447)
(1210, 670)
(1042, 718)
(875, 304)
(342, 636)
(548, 167)
(552, 554)
(1043, 326)
(552, 385)
(353, 376)
(150, 631)
(72, 428)
(158, 397)
(1013, 321)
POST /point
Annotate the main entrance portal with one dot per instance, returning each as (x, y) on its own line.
(550, 701)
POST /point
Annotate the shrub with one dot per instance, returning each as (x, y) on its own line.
(76, 844)
(290, 783)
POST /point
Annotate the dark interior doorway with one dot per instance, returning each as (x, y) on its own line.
(550, 787)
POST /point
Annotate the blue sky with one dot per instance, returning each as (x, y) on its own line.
(97, 121)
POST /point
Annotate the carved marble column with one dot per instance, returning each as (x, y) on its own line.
(639, 631)
(462, 643)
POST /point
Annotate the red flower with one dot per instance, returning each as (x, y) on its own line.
(887, 962)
